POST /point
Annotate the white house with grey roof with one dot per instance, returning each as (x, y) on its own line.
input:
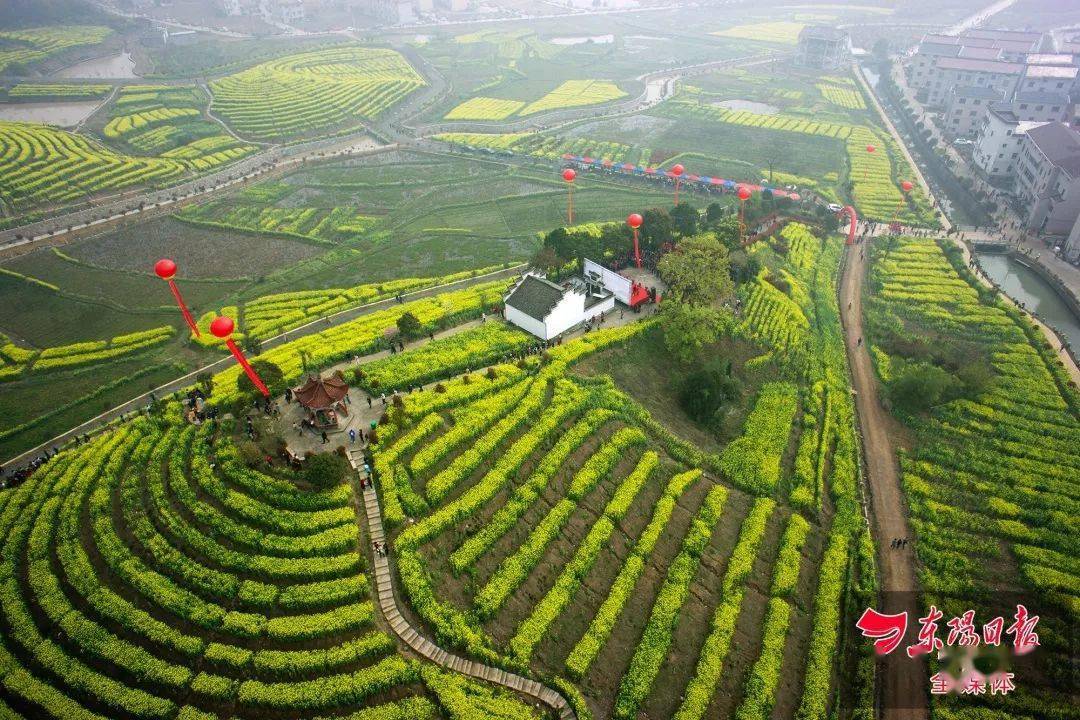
(547, 310)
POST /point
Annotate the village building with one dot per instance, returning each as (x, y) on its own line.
(823, 47)
(1048, 178)
(547, 310)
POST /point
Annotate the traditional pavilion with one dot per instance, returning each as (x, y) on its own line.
(323, 398)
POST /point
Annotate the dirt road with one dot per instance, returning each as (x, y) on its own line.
(903, 682)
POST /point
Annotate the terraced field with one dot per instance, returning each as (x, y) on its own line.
(40, 164)
(990, 479)
(548, 523)
(315, 91)
(31, 45)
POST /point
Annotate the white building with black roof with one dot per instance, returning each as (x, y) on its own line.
(547, 310)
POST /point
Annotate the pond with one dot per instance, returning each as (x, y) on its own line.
(1024, 285)
(582, 39)
(62, 114)
(111, 67)
(749, 106)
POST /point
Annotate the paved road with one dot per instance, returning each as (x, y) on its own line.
(903, 681)
(384, 590)
(139, 403)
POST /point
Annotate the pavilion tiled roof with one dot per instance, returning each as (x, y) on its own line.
(319, 392)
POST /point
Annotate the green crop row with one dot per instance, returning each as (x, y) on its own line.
(513, 571)
(655, 640)
(532, 629)
(752, 461)
(589, 646)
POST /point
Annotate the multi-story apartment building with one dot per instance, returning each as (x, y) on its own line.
(965, 110)
(997, 142)
(1048, 178)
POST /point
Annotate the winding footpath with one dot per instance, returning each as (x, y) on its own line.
(903, 681)
(387, 601)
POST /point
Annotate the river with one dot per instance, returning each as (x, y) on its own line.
(1024, 285)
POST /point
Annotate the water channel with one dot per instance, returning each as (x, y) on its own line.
(1024, 285)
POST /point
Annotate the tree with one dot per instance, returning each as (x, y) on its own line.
(714, 212)
(268, 372)
(726, 230)
(689, 329)
(684, 217)
(409, 325)
(324, 470)
(704, 392)
(546, 260)
(744, 266)
(697, 272)
(919, 386)
(656, 229)
(205, 381)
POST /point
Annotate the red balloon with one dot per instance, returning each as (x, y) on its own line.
(634, 221)
(906, 185)
(677, 170)
(569, 174)
(870, 148)
(222, 326)
(743, 192)
(165, 269)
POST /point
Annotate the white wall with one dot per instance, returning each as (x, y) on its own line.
(569, 312)
(526, 323)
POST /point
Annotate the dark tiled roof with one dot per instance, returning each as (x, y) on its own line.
(1059, 144)
(971, 91)
(940, 49)
(1042, 96)
(1015, 35)
(990, 66)
(535, 297)
(979, 53)
(319, 392)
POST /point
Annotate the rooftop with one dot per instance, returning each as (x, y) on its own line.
(1016, 35)
(1042, 96)
(979, 53)
(319, 392)
(1051, 71)
(1065, 59)
(1059, 144)
(1004, 112)
(934, 48)
(535, 296)
(987, 66)
(975, 91)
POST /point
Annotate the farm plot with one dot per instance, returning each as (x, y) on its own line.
(575, 93)
(17, 360)
(152, 573)
(57, 91)
(991, 477)
(318, 225)
(40, 164)
(32, 45)
(485, 108)
(548, 522)
(786, 33)
(874, 176)
(314, 91)
(170, 121)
